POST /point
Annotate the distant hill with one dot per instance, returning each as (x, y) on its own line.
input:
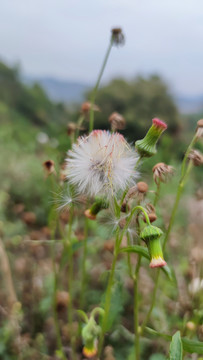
(60, 90)
(73, 92)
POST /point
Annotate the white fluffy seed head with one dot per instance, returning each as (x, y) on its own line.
(101, 163)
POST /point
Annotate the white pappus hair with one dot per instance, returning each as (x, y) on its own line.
(101, 163)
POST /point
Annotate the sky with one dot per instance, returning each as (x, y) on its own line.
(67, 39)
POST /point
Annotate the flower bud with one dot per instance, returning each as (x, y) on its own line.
(90, 334)
(151, 235)
(117, 121)
(117, 36)
(86, 106)
(196, 157)
(147, 146)
(199, 129)
(138, 191)
(162, 172)
(99, 204)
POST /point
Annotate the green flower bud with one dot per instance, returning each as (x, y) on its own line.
(90, 334)
(147, 146)
(150, 232)
(98, 205)
(151, 235)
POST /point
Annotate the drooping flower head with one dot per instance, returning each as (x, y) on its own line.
(101, 163)
(151, 235)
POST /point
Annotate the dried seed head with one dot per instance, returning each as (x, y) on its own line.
(122, 223)
(142, 187)
(199, 129)
(62, 300)
(71, 128)
(117, 121)
(118, 37)
(151, 213)
(196, 157)
(49, 167)
(138, 191)
(162, 172)
(86, 106)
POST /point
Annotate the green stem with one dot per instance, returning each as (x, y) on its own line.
(70, 281)
(184, 175)
(83, 282)
(157, 193)
(128, 258)
(136, 310)
(53, 225)
(79, 124)
(108, 296)
(153, 299)
(94, 93)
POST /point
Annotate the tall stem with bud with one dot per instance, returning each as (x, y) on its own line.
(94, 93)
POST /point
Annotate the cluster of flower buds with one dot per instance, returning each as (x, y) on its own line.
(49, 167)
(117, 36)
(90, 333)
(147, 146)
(162, 172)
(151, 235)
(136, 192)
(86, 107)
(99, 204)
(199, 129)
(117, 121)
(196, 157)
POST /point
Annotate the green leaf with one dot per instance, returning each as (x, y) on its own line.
(176, 348)
(136, 249)
(192, 346)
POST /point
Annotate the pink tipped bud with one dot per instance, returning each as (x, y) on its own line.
(159, 123)
(147, 146)
(157, 262)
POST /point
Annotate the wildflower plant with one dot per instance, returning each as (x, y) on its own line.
(104, 168)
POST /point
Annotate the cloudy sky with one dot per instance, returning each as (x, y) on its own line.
(68, 39)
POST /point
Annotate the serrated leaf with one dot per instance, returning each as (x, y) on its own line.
(176, 347)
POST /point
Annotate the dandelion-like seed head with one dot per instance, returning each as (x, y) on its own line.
(101, 163)
(65, 199)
